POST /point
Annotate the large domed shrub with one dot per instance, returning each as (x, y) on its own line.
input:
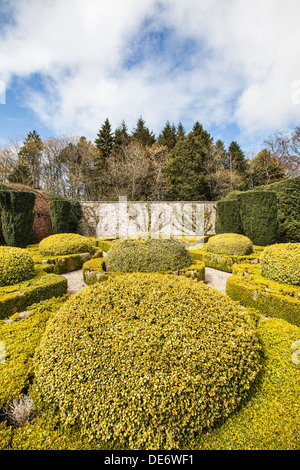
(147, 255)
(230, 244)
(65, 244)
(16, 265)
(281, 262)
(146, 360)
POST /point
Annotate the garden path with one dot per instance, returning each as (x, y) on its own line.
(213, 278)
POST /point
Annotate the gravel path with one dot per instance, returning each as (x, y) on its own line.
(213, 278)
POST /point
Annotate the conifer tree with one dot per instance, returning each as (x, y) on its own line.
(28, 168)
(167, 136)
(105, 140)
(142, 134)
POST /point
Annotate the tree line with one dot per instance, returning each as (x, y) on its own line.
(175, 165)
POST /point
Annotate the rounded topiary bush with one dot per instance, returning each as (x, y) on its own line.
(146, 360)
(147, 255)
(16, 265)
(65, 244)
(281, 262)
(230, 244)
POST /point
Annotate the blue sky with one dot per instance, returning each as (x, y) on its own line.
(232, 65)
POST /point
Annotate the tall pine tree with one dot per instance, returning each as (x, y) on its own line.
(28, 168)
(142, 134)
(105, 140)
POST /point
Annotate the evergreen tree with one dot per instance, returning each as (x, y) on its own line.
(180, 132)
(185, 171)
(236, 160)
(142, 134)
(28, 168)
(122, 137)
(167, 136)
(105, 140)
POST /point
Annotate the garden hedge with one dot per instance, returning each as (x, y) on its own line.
(42, 286)
(224, 262)
(273, 299)
(147, 255)
(94, 271)
(16, 265)
(146, 360)
(17, 217)
(228, 217)
(230, 244)
(259, 217)
(281, 262)
(65, 244)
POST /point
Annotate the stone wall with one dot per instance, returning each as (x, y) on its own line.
(121, 219)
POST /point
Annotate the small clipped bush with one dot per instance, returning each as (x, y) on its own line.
(281, 262)
(147, 255)
(65, 244)
(230, 244)
(16, 265)
(146, 360)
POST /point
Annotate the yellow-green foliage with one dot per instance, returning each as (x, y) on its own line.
(42, 286)
(281, 262)
(94, 271)
(21, 339)
(147, 255)
(16, 265)
(230, 244)
(65, 244)
(270, 298)
(146, 360)
(224, 262)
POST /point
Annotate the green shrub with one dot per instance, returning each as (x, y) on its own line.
(21, 338)
(230, 244)
(65, 244)
(17, 217)
(144, 360)
(272, 299)
(258, 212)
(228, 217)
(42, 286)
(16, 265)
(281, 262)
(288, 202)
(147, 255)
(60, 215)
(224, 262)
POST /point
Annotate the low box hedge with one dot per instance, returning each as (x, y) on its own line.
(269, 297)
(94, 271)
(42, 286)
(224, 262)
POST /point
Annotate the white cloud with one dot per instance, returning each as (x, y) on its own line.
(240, 68)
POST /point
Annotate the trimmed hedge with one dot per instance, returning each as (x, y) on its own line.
(281, 262)
(228, 218)
(16, 265)
(42, 286)
(147, 255)
(66, 215)
(65, 244)
(21, 339)
(230, 244)
(17, 217)
(259, 218)
(273, 299)
(224, 262)
(146, 360)
(94, 271)
(288, 201)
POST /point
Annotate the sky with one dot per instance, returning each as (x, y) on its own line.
(232, 65)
